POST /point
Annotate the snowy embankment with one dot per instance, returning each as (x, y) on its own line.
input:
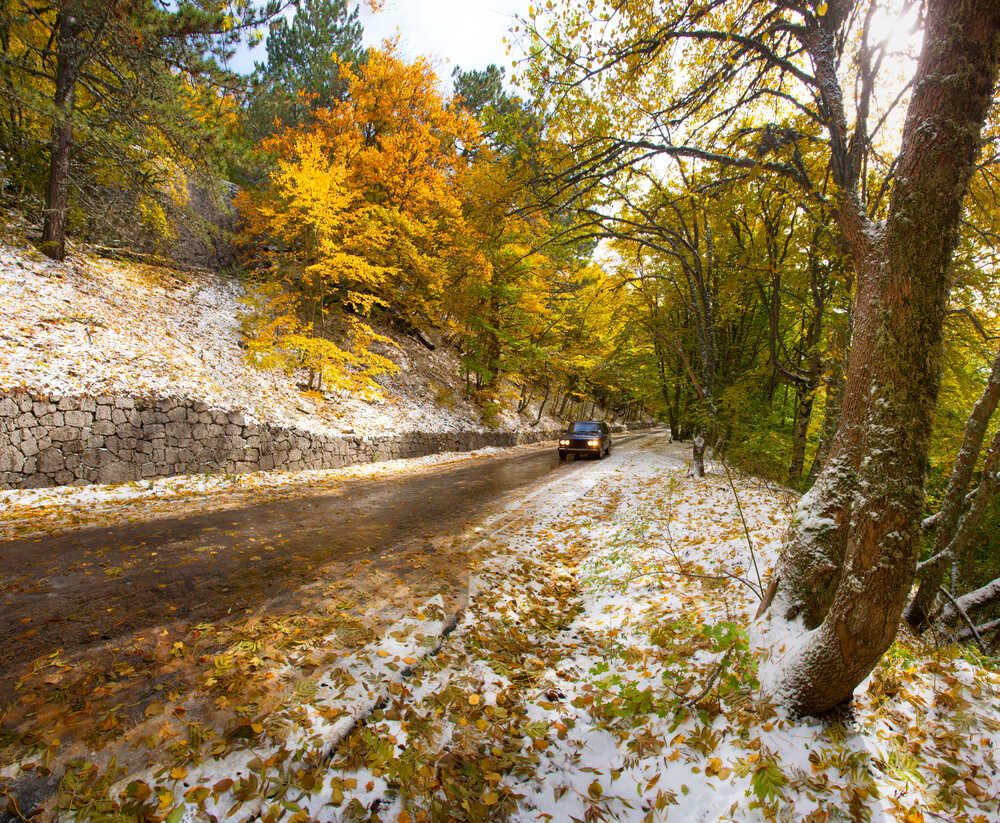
(91, 326)
(604, 670)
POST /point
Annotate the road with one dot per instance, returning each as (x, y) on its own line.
(87, 588)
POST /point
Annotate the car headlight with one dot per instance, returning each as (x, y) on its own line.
(593, 442)
(564, 442)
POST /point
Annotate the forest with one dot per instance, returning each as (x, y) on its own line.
(774, 226)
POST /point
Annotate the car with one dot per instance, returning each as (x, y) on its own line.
(589, 437)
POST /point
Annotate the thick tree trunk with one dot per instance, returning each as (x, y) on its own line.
(848, 561)
(57, 197)
(945, 523)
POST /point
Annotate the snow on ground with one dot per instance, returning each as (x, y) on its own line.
(93, 326)
(603, 670)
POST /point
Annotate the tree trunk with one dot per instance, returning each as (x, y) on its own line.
(833, 399)
(541, 406)
(57, 198)
(945, 523)
(805, 395)
(848, 561)
(698, 454)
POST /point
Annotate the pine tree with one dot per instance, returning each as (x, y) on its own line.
(304, 56)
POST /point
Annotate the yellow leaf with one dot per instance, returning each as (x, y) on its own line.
(473, 699)
(490, 798)
(409, 661)
(821, 9)
(178, 773)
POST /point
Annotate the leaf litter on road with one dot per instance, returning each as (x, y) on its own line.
(605, 668)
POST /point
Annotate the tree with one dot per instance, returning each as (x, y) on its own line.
(849, 559)
(302, 72)
(363, 208)
(116, 75)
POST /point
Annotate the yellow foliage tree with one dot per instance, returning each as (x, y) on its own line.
(362, 209)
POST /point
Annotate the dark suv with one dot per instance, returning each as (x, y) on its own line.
(590, 437)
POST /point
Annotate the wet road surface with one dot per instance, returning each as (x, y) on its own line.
(83, 588)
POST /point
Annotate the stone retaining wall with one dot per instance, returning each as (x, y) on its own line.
(114, 439)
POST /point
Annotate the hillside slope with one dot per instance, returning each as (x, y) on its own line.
(93, 326)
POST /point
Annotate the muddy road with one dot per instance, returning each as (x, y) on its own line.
(87, 588)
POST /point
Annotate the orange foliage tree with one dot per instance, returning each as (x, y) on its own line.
(363, 209)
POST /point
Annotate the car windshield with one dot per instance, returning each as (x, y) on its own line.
(585, 428)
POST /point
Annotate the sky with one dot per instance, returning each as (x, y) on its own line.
(466, 33)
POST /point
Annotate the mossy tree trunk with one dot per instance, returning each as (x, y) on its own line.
(849, 559)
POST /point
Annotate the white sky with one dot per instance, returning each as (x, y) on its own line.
(466, 33)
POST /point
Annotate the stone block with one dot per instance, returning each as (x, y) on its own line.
(64, 434)
(115, 473)
(118, 416)
(124, 403)
(178, 414)
(24, 403)
(97, 458)
(26, 421)
(177, 430)
(8, 408)
(64, 478)
(68, 404)
(104, 413)
(29, 446)
(104, 427)
(80, 419)
(52, 419)
(11, 460)
(88, 404)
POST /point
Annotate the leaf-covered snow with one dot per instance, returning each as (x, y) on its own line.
(604, 669)
(91, 326)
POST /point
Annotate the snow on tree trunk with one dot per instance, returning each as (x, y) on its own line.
(698, 455)
(849, 559)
